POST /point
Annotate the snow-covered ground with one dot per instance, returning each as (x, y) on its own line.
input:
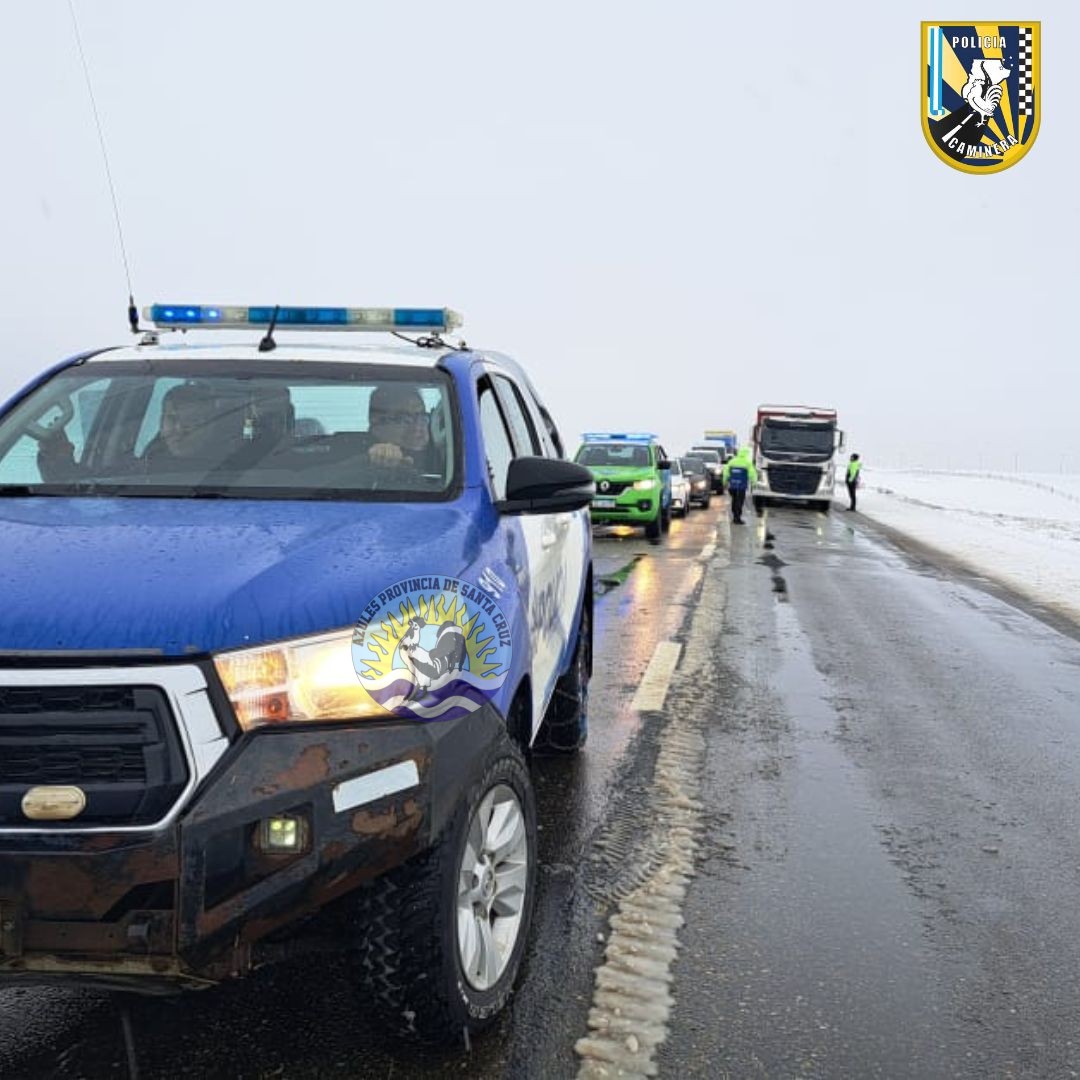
(1022, 529)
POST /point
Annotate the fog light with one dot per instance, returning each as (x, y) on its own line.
(284, 833)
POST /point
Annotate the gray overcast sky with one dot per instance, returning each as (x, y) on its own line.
(668, 212)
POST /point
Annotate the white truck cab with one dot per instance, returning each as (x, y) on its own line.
(795, 452)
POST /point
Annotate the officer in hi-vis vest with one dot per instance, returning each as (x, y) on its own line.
(739, 477)
(853, 469)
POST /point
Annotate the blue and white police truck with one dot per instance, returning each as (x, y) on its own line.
(281, 623)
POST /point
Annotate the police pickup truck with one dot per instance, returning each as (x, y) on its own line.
(281, 624)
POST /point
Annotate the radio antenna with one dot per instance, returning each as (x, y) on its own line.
(133, 311)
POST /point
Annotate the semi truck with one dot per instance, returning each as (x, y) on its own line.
(795, 450)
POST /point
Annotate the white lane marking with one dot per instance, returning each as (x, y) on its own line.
(654, 685)
(709, 550)
(375, 785)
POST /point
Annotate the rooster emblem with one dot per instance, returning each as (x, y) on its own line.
(429, 666)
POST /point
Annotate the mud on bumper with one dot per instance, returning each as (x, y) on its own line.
(189, 903)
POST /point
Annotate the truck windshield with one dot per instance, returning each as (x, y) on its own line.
(199, 428)
(794, 438)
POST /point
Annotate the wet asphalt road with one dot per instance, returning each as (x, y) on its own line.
(891, 884)
(887, 886)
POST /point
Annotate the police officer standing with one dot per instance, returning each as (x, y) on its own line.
(739, 476)
(853, 469)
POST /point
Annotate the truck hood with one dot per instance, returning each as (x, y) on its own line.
(186, 576)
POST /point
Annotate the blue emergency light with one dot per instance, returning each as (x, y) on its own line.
(619, 436)
(215, 316)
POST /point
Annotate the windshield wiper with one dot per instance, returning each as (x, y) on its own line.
(21, 491)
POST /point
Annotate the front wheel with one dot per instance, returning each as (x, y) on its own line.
(444, 934)
(654, 528)
(566, 723)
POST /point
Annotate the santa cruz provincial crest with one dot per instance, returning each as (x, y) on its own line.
(432, 648)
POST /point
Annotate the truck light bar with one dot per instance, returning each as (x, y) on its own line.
(619, 436)
(218, 316)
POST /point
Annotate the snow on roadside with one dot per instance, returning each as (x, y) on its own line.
(1022, 529)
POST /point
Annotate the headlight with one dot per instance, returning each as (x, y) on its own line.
(309, 679)
(644, 485)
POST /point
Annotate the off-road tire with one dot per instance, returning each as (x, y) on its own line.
(566, 723)
(409, 955)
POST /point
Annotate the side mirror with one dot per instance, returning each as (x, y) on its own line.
(663, 463)
(539, 485)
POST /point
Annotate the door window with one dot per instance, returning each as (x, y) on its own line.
(497, 444)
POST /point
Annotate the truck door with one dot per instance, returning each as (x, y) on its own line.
(554, 551)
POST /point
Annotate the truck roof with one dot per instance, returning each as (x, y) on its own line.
(801, 412)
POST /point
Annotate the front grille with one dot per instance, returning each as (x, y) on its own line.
(794, 480)
(60, 765)
(118, 743)
(614, 487)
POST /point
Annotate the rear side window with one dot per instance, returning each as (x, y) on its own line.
(550, 438)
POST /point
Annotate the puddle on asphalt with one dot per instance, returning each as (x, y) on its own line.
(606, 582)
(776, 565)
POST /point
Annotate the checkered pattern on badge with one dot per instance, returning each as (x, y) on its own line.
(1026, 92)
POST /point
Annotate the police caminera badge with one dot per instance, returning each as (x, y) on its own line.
(981, 88)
